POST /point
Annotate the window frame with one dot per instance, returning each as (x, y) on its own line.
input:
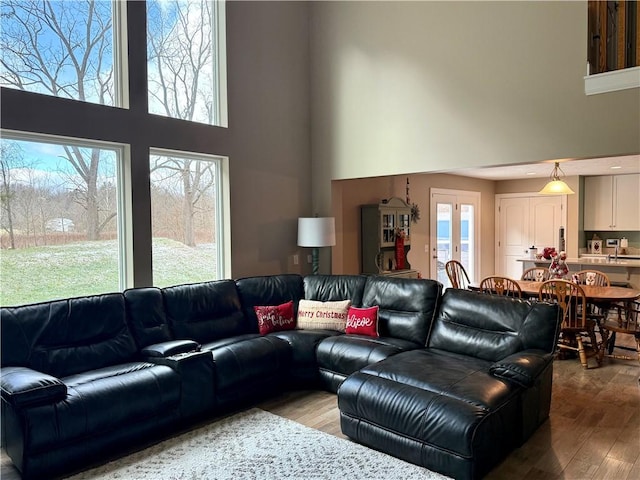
(119, 54)
(219, 73)
(221, 222)
(123, 200)
(132, 127)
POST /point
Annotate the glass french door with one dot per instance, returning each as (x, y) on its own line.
(454, 232)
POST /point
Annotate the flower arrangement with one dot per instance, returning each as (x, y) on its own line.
(558, 267)
(549, 252)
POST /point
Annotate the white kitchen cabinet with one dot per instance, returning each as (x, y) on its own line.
(523, 221)
(626, 209)
(611, 202)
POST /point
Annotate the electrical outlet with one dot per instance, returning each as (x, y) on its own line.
(309, 259)
(426, 248)
(296, 259)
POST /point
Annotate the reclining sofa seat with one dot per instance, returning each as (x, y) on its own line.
(480, 388)
(304, 343)
(247, 366)
(406, 310)
(74, 387)
(148, 322)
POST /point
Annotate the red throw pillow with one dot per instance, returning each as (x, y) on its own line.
(363, 321)
(275, 318)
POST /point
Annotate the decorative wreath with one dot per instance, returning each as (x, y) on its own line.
(415, 213)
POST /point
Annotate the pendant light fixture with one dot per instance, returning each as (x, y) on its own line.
(555, 186)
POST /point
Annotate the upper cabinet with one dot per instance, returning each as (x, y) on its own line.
(611, 202)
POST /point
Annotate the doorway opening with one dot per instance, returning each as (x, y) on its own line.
(455, 228)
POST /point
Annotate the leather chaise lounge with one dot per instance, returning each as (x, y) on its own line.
(84, 379)
(480, 387)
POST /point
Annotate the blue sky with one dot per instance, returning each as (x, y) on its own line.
(44, 159)
(45, 163)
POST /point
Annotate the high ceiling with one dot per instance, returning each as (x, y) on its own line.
(594, 166)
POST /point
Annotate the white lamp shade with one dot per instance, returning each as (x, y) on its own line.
(316, 231)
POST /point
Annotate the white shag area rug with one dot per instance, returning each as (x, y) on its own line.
(257, 445)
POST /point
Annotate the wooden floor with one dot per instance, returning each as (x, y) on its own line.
(593, 431)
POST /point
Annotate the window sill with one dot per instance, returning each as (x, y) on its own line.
(612, 81)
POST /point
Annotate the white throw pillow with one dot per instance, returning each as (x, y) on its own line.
(315, 315)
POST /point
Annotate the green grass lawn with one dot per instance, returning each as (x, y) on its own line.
(61, 271)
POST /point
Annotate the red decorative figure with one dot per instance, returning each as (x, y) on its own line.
(400, 249)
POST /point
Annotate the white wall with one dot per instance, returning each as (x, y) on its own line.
(401, 87)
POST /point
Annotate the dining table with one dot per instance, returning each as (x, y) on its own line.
(594, 293)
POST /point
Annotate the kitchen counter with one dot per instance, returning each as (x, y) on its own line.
(622, 262)
(624, 270)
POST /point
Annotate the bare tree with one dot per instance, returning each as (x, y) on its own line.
(181, 64)
(10, 156)
(86, 163)
(190, 180)
(59, 48)
(63, 49)
(181, 61)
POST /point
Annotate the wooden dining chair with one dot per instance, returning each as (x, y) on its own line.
(597, 311)
(501, 286)
(457, 274)
(575, 325)
(535, 274)
(627, 321)
(592, 277)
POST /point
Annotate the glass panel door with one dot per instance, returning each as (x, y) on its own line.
(454, 232)
(467, 238)
(444, 238)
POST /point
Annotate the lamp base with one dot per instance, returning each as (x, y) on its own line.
(315, 260)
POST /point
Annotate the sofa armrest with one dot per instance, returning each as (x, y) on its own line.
(197, 374)
(173, 347)
(24, 387)
(522, 368)
(179, 361)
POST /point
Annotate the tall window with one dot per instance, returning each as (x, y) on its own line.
(184, 55)
(59, 48)
(69, 225)
(60, 204)
(185, 203)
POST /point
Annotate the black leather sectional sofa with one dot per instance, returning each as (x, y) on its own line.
(453, 382)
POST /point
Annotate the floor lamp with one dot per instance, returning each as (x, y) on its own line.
(316, 232)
